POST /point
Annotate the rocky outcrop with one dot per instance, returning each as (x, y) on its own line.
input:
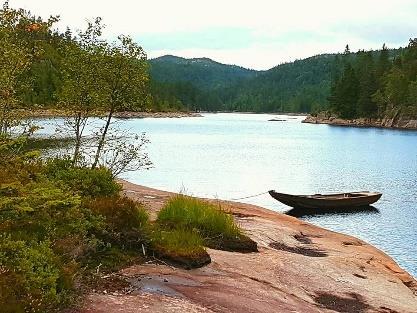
(394, 122)
(299, 268)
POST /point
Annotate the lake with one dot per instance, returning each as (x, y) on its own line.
(231, 156)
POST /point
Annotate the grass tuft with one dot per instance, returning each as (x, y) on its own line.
(209, 219)
(180, 246)
(178, 242)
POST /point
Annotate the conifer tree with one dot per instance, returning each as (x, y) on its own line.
(383, 65)
(346, 93)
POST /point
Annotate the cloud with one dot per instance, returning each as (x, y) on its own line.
(212, 38)
(394, 33)
(257, 34)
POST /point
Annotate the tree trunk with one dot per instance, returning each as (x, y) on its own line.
(77, 139)
(103, 138)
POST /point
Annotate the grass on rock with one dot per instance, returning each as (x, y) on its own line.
(209, 219)
(216, 226)
(181, 246)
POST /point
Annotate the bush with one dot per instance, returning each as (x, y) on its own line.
(31, 272)
(48, 231)
(126, 221)
(85, 181)
(121, 213)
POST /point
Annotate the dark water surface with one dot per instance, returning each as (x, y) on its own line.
(235, 155)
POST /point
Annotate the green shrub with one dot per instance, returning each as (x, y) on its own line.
(48, 233)
(192, 213)
(43, 211)
(32, 272)
(121, 213)
(16, 166)
(85, 181)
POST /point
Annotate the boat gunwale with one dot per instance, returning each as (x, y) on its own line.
(333, 197)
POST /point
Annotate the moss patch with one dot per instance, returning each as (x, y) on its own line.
(180, 247)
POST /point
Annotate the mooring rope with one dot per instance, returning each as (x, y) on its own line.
(253, 196)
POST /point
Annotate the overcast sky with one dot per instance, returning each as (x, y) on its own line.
(255, 34)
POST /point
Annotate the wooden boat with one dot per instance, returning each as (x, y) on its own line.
(328, 201)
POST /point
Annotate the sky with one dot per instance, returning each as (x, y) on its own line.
(256, 34)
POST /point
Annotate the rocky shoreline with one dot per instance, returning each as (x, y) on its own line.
(126, 115)
(395, 122)
(156, 114)
(299, 268)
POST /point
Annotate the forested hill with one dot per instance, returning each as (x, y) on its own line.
(203, 84)
(196, 84)
(203, 73)
(382, 85)
(300, 86)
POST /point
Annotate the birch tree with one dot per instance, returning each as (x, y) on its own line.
(81, 92)
(124, 72)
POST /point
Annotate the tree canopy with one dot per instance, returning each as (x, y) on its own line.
(376, 85)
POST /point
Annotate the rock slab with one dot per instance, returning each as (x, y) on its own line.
(300, 268)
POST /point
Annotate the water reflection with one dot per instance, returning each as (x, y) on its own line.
(297, 212)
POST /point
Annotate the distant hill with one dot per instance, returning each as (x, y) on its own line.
(203, 84)
(298, 86)
(203, 73)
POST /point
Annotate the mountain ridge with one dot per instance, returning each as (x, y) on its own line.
(182, 60)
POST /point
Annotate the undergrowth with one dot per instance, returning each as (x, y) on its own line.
(59, 225)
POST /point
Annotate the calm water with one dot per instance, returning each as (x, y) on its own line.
(235, 155)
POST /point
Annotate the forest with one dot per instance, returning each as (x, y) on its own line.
(373, 85)
(39, 66)
(349, 84)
